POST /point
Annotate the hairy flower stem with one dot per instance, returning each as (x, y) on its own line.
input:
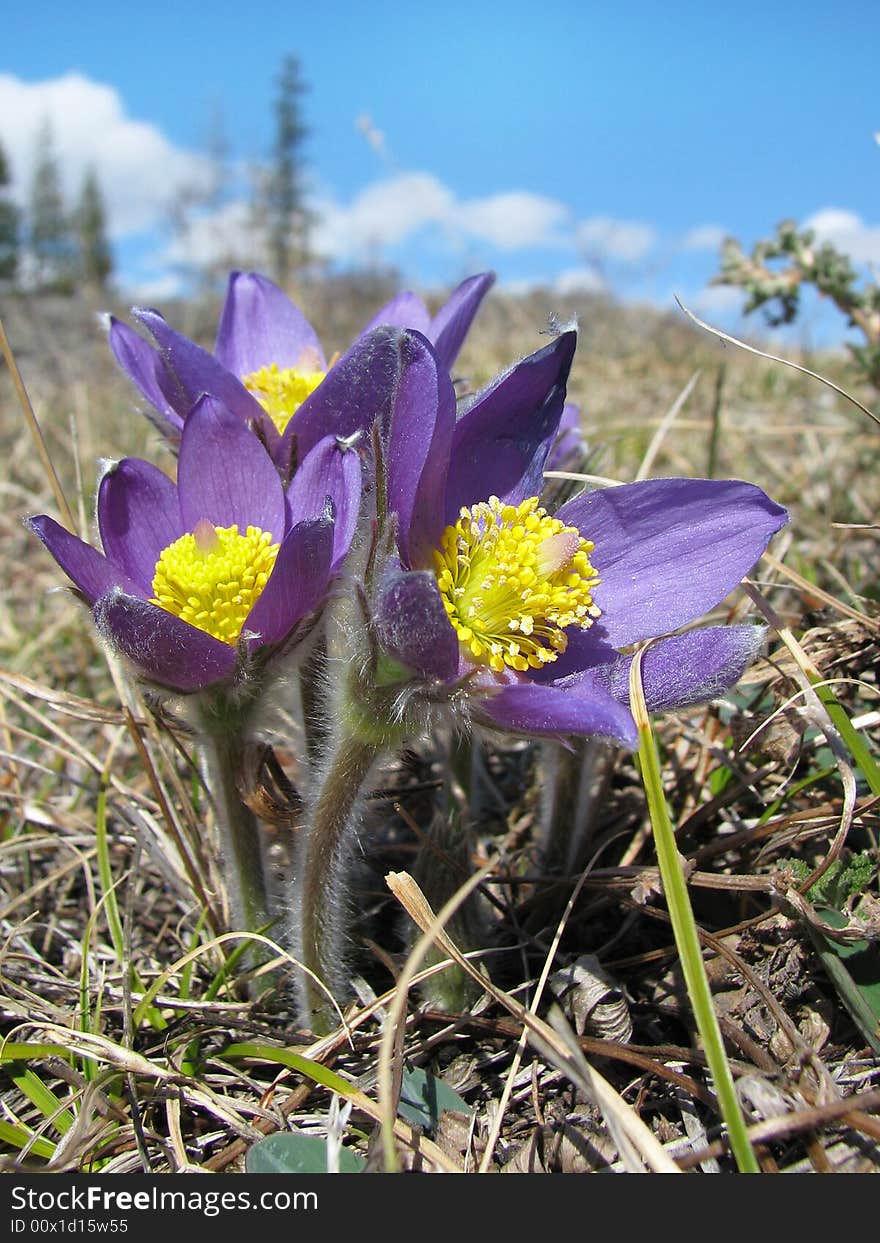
(324, 872)
(313, 696)
(223, 727)
(573, 788)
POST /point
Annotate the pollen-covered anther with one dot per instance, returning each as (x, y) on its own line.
(511, 579)
(282, 390)
(213, 577)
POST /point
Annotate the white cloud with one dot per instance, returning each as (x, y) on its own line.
(398, 208)
(389, 212)
(624, 240)
(514, 220)
(579, 280)
(847, 232)
(704, 237)
(720, 300)
(394, 209)
(519, 287)
(138, 168)
(229, 235)
(385, 213)
(153, 292)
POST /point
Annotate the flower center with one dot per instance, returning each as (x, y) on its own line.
(213, 577)
(282, 390)
(511, 579)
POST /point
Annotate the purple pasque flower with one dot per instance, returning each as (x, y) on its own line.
(522, 619)
(200, 579)
(268, 366)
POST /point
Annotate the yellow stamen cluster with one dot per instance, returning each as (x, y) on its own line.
(213, 577)
(511, 579)
(282, 390)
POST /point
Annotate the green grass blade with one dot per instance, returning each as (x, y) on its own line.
(685, 930)
(145, 1005)
(108, 890)
(22, 1051)
(293, 1061)
(87, 1021)
(858, 748)
(37, 1092)
(186, 975)
(189, 1063)
(20, 1137)
(792, 790)
(227, 970)
(111, 906)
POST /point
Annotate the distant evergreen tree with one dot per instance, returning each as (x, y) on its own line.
(90, 219)
(207, 243)
(51, 238)
(9, 225)
(287, 216)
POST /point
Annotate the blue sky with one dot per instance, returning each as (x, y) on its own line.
(563, 142)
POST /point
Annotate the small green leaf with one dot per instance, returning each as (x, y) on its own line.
(854, 970)
(423, 1098)
(719, 779)
(298, 1154)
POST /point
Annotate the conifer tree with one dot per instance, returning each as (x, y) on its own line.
(50, 235)
(9, 226)
(207, 244)
(288, 217)
(90, 218)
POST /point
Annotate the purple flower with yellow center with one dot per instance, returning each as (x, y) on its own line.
(269, 368)
(523, 618)
(200, 581)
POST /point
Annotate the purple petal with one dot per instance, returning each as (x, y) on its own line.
(330, 470)
(225, 475)
(197, 371)
(260, 325)
(87, 568)
(143, 364)
(416, 449)
(355, 392)
(687, 669)
(297, 583)
(502, 440)
(138, 516)
(569, 446)
(412, 627)
(169, 651)
(586, 649)
(405, 310)
(450, 325)
(667, 550)
(529, 708)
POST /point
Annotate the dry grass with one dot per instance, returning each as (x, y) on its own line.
(106, 831)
